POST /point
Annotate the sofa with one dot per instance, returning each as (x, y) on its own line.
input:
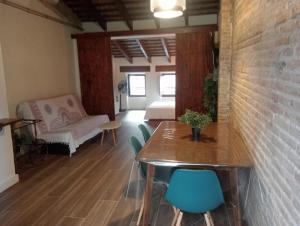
(64, 120)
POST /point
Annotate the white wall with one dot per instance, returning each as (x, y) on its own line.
(7, 168)
(36, 61)
(152, 82)
(37, 54)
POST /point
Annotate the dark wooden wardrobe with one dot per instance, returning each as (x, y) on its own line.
(96, 77)
(194, 60)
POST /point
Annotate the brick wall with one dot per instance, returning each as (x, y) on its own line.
(265, 105)
(225, 33)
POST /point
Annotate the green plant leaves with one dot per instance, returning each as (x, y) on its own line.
(195, 119)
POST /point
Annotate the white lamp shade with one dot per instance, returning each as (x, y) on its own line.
(167, 8)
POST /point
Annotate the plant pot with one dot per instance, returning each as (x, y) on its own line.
(196, 134)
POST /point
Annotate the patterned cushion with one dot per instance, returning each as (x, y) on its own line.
(57, 112)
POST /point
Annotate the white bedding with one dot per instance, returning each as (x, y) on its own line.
(160, 110)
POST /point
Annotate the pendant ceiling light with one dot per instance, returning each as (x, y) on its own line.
(167, 8)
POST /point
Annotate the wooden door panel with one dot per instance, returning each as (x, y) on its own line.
(94, 55)
(193, 62)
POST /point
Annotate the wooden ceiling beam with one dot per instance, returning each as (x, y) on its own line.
(143, 49)
(122, 50)
(125, 14)
(189, 2)
(165, 48)
(62, 10)
(157, 22)
(202, 11)
(186, 18)
(200, 28)
(98, 17)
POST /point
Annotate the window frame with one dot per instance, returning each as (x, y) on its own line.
(163, 74)
(135, 74)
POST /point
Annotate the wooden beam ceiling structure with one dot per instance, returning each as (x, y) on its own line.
(102, 11)
(92, 13)
(146, 47)
(165, 48)
(143, 49)
(124, 13)
(62, 10)
(124, 52)
(98, 16)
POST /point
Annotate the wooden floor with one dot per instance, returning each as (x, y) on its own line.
(87, 189)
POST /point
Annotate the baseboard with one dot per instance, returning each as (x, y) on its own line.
(9, 182)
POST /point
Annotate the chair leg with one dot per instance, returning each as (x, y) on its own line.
(179, 218)
(208, 219)
(211, 219)
(102, 138)
(140, 213)
(129, 180)
(114, 136)
(176, 213)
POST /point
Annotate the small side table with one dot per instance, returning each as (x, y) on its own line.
(110, 126)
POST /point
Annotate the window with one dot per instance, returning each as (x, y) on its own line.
(167, 84)
(137, 85)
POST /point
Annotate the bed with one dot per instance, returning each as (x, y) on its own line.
(160, 110)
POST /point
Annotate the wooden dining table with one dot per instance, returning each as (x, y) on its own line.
(171, 145)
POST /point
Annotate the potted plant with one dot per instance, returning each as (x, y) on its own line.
(196, 120)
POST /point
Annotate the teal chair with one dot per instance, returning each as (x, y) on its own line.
(145, 132)
(162, 174)
(137, 147)
(194, 191)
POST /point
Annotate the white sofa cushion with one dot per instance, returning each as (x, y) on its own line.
(76, 133)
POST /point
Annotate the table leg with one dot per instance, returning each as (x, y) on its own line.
(14, 147)
(234, 183)
(114, 136)
(102, 138)
(148, 194)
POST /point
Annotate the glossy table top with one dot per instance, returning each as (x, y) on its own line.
(171, 144)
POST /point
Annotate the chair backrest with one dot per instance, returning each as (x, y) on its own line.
(195, 191)
(136, 144)
(137, 147)
(145, 132)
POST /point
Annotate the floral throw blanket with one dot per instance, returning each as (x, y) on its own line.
(56, 112)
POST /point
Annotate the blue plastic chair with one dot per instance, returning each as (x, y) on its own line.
(194, 191)
(145, 132)
(162, 174)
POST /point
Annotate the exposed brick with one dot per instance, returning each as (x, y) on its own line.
(262, 69)
(225, 32)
